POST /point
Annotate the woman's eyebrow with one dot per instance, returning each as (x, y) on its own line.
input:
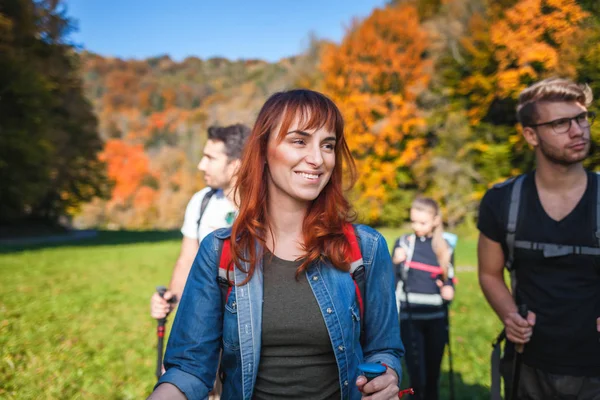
(307, 134)
(299, 132)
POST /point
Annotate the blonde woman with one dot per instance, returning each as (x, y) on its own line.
(424, 277)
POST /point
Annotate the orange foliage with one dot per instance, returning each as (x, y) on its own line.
(145, 197)
(127, 166)
(530, 41)
(375, 77)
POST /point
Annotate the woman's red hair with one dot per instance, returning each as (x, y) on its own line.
(323, 224)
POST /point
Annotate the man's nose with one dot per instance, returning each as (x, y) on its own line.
(202, 164)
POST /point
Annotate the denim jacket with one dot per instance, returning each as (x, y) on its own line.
(202, 327)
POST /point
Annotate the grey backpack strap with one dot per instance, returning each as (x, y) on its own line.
(407, 242)
(560, 250)
(598, 207)
(495, 389)
(203, 206)
(513, 216)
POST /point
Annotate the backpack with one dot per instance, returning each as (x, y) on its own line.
(203, 206)
(357, 271)
(548, 249)
(407, 242)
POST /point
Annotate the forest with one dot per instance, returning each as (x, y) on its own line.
(428, 90)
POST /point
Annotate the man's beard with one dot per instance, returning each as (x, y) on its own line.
(559, 156)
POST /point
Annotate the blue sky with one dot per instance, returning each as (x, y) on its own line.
(233, 29)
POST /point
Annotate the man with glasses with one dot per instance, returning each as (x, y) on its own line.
(544, 226)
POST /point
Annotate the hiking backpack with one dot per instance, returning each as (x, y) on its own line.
(407, 242)
(549, 250)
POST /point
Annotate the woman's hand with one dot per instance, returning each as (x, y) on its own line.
(384, 387)
(446, 291)
(399, 255)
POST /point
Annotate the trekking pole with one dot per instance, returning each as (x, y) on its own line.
(518, 359)
(160, 333)
(451, 368)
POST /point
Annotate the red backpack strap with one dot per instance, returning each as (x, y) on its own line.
(225, 265)
(357, 271)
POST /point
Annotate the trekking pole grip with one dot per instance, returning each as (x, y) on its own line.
(523, 311)
(161, 290)
(160, 334)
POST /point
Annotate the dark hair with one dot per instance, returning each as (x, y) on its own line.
(233, 137)
(550, 90)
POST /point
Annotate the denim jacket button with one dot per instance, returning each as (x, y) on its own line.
(315, 278)
(341, 348)
(329, 310)
(345, 383)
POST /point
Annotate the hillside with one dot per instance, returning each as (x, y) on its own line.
(153, 115)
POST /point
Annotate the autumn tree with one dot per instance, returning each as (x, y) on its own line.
(505, 50)
(375, 76)
(48, 132)
(526, 43)
(474, 137)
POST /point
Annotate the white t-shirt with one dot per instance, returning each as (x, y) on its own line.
(219, 213)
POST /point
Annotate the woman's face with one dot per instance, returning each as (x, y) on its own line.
(422, 221)
(301, 164)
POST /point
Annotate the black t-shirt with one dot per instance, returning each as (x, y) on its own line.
(563, 292)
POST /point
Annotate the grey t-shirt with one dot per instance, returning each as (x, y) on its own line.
(296, 358)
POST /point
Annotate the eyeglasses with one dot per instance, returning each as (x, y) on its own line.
(562, 125)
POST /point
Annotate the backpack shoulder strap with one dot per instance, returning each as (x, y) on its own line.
(598, 207)
(407, 241)
(559, 250)
(511, 231)
(225, 266)
(511, 221)
(204, 204)
(357, 272)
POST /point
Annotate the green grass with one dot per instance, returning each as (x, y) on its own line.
(74, 319)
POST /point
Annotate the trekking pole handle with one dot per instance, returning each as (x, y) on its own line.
(161, 290)
(523, 311)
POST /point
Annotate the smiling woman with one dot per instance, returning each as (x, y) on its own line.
(293, 323)
(298, 139)
(300, 163)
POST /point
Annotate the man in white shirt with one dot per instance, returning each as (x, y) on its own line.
(209, 209)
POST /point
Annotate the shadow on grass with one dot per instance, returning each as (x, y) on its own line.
(462, 390)
(86, 239)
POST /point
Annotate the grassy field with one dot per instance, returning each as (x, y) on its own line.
(74, 319)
